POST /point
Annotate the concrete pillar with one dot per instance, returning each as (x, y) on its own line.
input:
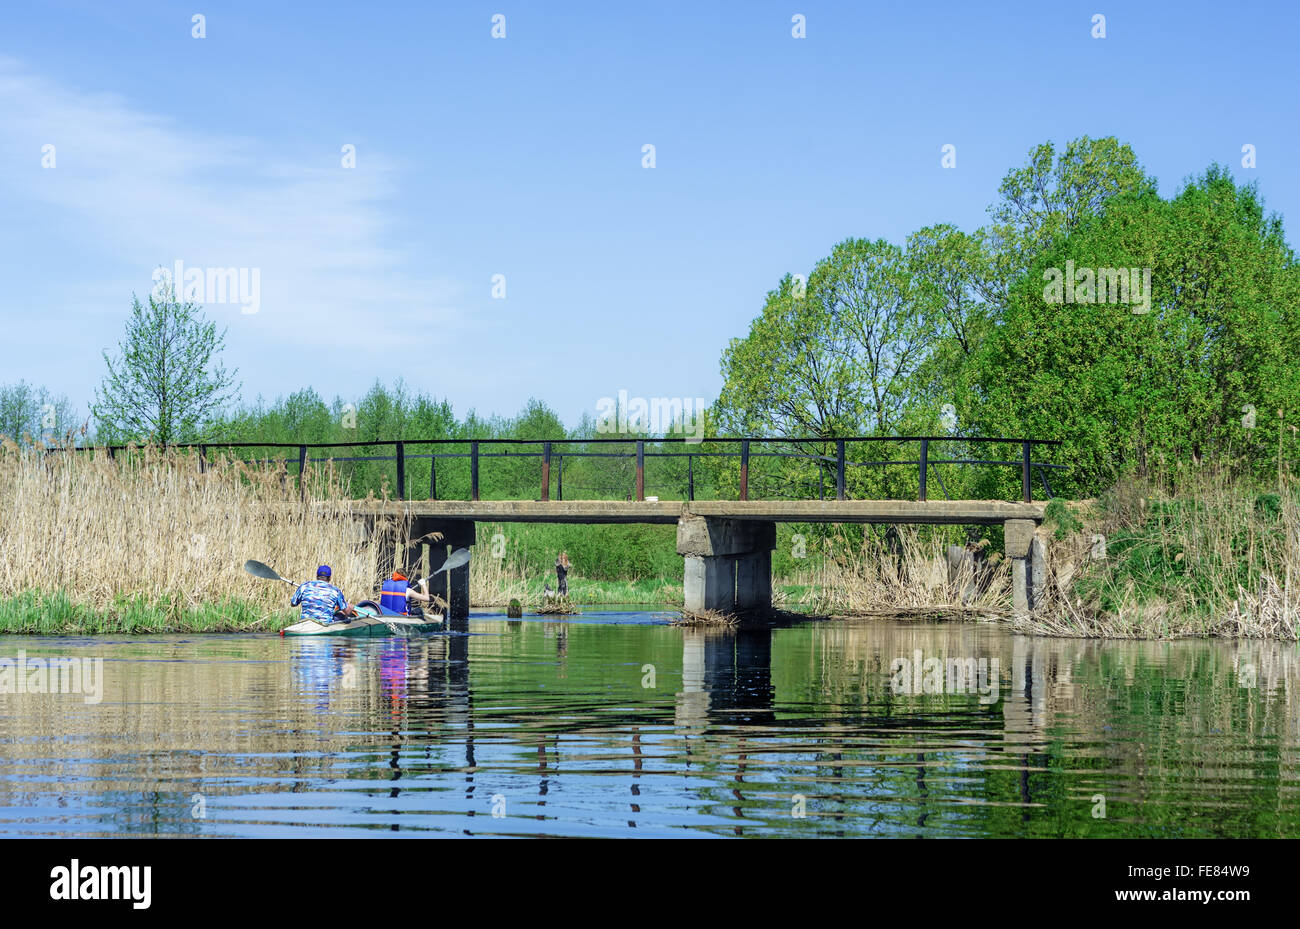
(728, 563)
(754, 581)
(1027, 549)
(709, 583)
(458, 602)
(692, 709)
(452, 586)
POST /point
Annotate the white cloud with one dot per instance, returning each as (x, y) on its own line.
(133, 190)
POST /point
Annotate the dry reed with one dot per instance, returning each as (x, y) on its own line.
(1199, 553)
(151, 527)
(871, 578)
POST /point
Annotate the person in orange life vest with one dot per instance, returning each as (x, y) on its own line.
(397, 596)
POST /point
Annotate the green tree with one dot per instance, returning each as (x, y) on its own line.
(832, 358)
(167, 381)
(1047, 198)
(1178, 382)
(29, 413)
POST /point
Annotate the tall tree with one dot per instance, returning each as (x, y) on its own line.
(793, 374)
(1182, 374)
(834, 357)
(167, 381)
(1049, 197)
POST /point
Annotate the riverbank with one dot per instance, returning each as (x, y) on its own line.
(1194, 553)
(156, 544)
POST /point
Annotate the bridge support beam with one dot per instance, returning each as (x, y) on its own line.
(1026, 546)
(453, 585)
(728, 563)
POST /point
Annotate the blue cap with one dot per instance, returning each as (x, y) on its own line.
(323, 571)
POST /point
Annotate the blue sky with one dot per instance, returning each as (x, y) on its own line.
(522, 156)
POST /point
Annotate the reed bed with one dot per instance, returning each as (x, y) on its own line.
(1200, 553)
(148, 542)
(906, 578)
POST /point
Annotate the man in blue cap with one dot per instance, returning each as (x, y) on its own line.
(321, 601)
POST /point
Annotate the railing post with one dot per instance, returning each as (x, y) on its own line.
(559, 477)
(302, 470)
(690, 477)
(401, 470)
(640, 469)
(1026, 486)
(433, 474)
(744, 469)
(203, 459)
(546, 471)
(839, 469)
(925, 466)
(473, 470)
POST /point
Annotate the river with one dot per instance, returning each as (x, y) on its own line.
(619, 724)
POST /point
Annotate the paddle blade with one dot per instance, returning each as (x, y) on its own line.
(457, 559)
(257, 569)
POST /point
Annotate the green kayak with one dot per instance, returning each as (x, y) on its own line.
(372, 622)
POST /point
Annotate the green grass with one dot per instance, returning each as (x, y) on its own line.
(53, 613)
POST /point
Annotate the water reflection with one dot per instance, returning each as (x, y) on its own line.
(595, 728)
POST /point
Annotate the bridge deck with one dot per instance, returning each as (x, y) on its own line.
(933, 512)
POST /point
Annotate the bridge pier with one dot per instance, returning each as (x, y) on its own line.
(1027, 548)
(728, 563)
(453, 585)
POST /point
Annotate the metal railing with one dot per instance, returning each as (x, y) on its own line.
(838, 463)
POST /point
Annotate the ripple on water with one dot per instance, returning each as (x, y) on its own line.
(616, 723)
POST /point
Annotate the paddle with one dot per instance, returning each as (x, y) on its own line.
(257, 569)
(458, 559)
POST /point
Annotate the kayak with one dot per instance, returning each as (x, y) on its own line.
(371, 622)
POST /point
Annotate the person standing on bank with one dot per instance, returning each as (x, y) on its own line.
(562, 573)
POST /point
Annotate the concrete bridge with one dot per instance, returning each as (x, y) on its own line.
(726, 544)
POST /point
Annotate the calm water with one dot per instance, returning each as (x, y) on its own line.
(616, 724)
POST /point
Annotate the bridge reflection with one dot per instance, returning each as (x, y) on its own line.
(726, 691)
(818, 703)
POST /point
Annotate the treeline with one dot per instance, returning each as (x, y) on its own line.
(1141, 331)
(1136, 329)
(579, 468)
